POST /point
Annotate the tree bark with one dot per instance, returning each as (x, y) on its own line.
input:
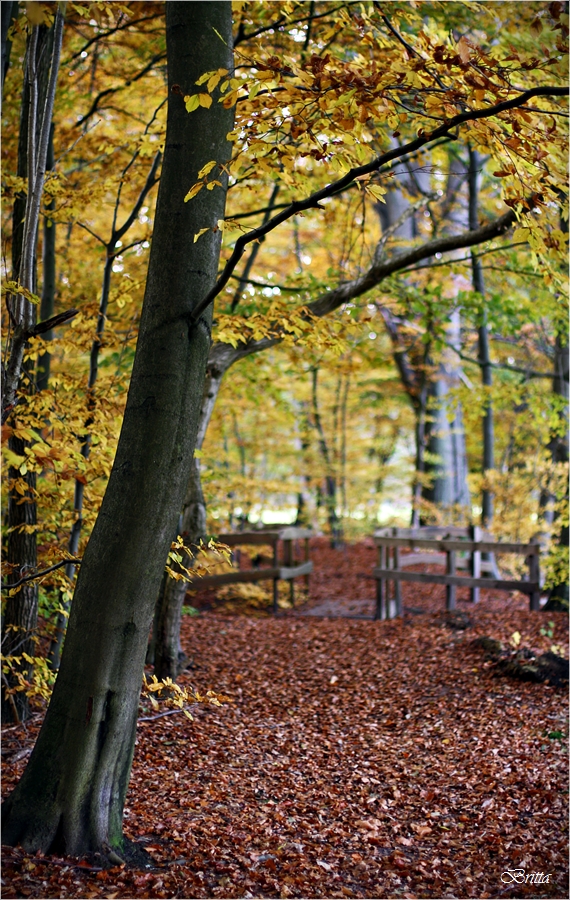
(447, 457)
(484, 350)
(21, 611)
(335, 526)
(71, 796)
(48, 280)
(164, 647)
(9, 15)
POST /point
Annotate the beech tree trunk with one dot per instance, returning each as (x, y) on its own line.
(9, 15)
(48, 287)
(446, 462)
(70, 798)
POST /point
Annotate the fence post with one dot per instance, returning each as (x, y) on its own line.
(397, 583)
(534, 576)
(379, 614)
(389, 565)
(450, 589)
(289, 561)
(475, 562)
(275, 580)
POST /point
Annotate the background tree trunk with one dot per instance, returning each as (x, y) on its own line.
(48, 279)
(21, 611)
(9, 15)
(72, 793)
(484, 350)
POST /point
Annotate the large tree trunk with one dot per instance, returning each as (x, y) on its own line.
(71, 795)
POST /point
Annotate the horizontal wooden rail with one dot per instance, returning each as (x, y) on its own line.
(238, 576)
(424, 531)
(526, 587)
(252, 539)
(532, 549)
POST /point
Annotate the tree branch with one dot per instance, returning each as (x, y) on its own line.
(151, 180)
(102, 94)
(105, 34)
(314, 199)
(64, 562)
(224, 355)
(530, 373)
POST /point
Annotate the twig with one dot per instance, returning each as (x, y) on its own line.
(64, 562)
(169, 712)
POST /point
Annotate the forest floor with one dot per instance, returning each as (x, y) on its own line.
(355, 759)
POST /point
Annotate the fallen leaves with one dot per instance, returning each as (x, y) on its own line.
(357, 759)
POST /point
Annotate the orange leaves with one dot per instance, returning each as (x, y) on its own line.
(463, 49)
(266, 796)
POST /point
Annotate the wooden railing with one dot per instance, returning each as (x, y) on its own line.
(284, 565)
(444, 544)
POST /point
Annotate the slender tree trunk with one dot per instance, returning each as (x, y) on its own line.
(168, 657)
(559, 448)
(302, 519)
(343, 436)
(48, 284)
(79, 491)
(421, 435)
(484, 350)
(21, 611)
(71, 796)
(165, 651)
(330, 478)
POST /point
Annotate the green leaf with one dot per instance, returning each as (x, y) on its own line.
(192, 102)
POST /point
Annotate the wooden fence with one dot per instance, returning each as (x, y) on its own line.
(445, 544)
(284, 567)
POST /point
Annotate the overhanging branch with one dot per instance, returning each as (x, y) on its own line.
(224, 355)
(297, 206)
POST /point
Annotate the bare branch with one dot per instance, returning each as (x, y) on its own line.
(105, 34)
(151, 180)
(102, 94)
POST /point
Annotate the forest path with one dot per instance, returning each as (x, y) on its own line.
(354, 759)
